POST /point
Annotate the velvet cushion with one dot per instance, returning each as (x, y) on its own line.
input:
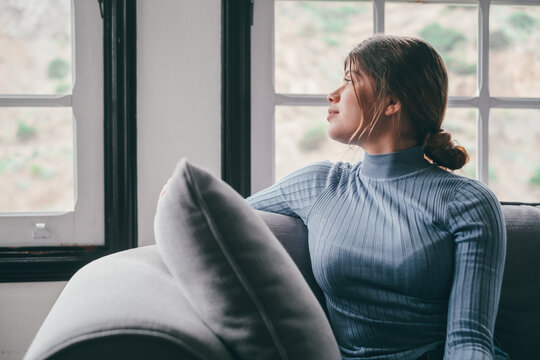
(518, 320)
(293, 235)
(236, 274)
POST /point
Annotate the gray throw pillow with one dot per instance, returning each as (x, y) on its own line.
(236, 274)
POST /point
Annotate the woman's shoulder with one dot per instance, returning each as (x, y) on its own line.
(465, 192)
(321, 171)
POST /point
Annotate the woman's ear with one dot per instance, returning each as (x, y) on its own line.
(393, 107)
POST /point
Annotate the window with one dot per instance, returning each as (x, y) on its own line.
(50, 170)
(69, 136)
(490, 50)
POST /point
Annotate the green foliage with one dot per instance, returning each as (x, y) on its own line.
(499, 40)
(41, 172)
(443, 39)
(447, 42)
(492, 174)
(347, 10)
(58, 69)
(461, 68)
(449, 8)
(535, 179)
(470, 171)
(313, 138)
(7, 164)
(333, 24)
(23, 184)
(62, 88)
(25, 131)
(309, 7)
(522, 21)
(334, 20)
(331, 41)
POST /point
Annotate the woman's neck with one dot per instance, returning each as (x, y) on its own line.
(387, 143)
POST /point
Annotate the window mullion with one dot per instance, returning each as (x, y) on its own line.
(262, 95)
(483, 90)
(378, 16)
(301, 100)
(463, 101)
(35, 100)
(515, 103)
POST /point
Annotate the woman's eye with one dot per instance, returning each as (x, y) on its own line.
(347, 81)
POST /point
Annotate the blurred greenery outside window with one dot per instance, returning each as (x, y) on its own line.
(50, 175)
(36, 137)
(312, 38)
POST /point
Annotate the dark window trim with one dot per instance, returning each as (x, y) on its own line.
(236, 94)
(120, 74)
(519, 203)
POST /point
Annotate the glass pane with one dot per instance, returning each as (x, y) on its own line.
(35, 38)
(514, 154)
(301, 138)
(461, 123)
(312, 39)
(451, 29)
(36, 159)
(514, 52)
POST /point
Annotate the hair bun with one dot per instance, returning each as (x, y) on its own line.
(444, 152)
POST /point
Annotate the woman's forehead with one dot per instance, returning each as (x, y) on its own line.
(352, 66)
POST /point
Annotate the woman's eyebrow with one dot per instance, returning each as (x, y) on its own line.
(355, 72)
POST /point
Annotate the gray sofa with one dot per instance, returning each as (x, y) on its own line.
(128, 305)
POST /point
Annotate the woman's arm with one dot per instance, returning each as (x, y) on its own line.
(476, 220)
(295, 194)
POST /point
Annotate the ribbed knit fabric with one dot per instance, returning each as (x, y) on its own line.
(409, 256)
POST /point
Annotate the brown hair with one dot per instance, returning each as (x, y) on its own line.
(410, 70)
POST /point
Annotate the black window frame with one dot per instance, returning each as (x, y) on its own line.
(22, 264)
(236, 21)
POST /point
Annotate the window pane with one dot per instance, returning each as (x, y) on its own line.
(514, 154)
(461, 123)
(36, 159)
(301, 138)
(451, 29)
(514, 52)
(312, 39)
(35, 38)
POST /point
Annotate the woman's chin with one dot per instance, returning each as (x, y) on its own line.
(338, 138)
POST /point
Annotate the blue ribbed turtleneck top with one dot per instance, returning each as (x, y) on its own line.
(409, 256)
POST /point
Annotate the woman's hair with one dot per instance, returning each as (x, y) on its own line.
(410, 70)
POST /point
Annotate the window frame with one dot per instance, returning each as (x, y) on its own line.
(236, 21)
(55, 263)
(85, 103)
(265, 99)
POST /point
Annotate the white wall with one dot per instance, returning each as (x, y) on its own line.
(23, 307)
(179, 115)
(179, 95)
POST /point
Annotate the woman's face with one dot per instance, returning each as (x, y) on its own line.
(345, 115)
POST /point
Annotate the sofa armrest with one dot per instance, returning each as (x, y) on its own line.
(119, 305)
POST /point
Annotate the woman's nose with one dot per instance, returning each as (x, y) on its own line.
(333, 97)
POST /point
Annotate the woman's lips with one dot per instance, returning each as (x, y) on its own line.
(331, 112)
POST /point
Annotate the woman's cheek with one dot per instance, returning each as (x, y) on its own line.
(336, 132)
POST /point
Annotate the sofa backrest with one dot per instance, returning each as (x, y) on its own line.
(517, 329)
(518, 320)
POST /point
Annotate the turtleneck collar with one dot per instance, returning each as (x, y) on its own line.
(394, 164)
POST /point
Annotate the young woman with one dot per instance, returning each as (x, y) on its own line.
(409, 255)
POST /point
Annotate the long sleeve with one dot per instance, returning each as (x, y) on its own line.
(477, 224)
(295, 194)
